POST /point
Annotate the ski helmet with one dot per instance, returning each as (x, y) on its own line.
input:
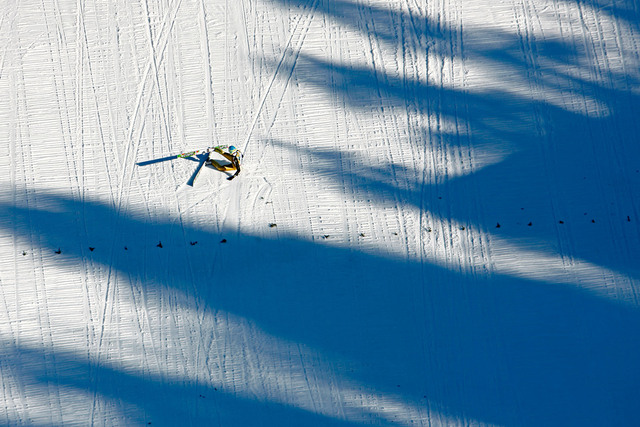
(232, 149)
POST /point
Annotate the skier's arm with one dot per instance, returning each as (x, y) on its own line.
(219, 149)
(228, 156)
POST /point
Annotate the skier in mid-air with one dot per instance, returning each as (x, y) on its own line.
(230, 153)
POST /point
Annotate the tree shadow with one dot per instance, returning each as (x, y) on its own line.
(381, 22)
(138, 397)
(497, 350)
(550, 169)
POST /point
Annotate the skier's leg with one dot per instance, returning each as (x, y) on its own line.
(222, 168)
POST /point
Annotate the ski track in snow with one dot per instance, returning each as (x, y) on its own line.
(436, 221)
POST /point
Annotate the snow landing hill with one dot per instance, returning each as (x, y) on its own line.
(436, 224)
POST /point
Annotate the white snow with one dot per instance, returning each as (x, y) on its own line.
(436, 221)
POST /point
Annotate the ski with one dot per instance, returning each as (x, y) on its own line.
(205, 150)
(193, 153)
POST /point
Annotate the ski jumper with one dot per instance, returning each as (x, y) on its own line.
(233, 158)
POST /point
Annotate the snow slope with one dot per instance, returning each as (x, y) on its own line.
(436, 222)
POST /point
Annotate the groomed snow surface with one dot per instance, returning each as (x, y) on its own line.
(436, 223)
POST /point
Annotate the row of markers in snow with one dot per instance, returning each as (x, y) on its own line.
(593, 221)
(530, 224)
(326, 236)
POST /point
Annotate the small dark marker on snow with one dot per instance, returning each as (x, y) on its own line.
(326, 236)
(361, 234)
(24, 253)
(273, 225)
(462, 228)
